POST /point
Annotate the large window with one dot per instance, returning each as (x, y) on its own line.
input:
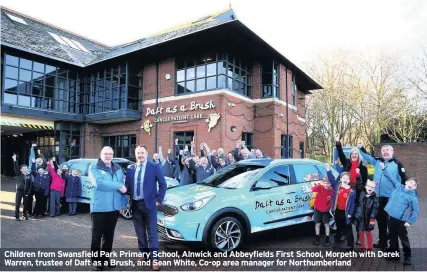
(286, 148)
(123, 146)
(184, 139)
(34, 84)
(270, 79)
(113, 89)
(67, 141)
(294, 91)
(248, 139)
(213, 71)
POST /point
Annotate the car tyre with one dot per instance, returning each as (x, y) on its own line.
(127, 213)
(226, 234)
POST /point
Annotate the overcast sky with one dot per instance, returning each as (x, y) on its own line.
(298, 29)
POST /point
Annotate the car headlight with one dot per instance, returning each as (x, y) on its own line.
(197, 204)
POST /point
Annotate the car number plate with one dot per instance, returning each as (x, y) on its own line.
(160, 221)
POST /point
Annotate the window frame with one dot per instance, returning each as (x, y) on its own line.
(305, 165)
(275, 80)
(189, 62)
(116, 142)
(284, 146)
(294, 91)
(176, 134)
(24, 91)
(272, 168)
(246, 136)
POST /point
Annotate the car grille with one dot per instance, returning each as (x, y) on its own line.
(162, 232)
(168, 210)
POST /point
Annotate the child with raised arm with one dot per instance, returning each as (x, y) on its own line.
(24, 182)
(365, 214)
(402, 208)
(56, 189)
(343, 206)
(41, 188)
(322, 205)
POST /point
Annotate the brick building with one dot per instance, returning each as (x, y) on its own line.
(212, 79)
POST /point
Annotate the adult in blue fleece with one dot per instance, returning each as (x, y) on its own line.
(107, 199)
(384, 188)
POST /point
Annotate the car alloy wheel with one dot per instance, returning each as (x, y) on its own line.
(127, 212)
(227, 234)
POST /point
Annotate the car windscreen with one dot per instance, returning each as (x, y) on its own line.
(239, 180)
(228, 173)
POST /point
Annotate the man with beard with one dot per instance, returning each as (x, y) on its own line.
(385, 186)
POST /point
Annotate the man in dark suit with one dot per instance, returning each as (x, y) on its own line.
(141, 182)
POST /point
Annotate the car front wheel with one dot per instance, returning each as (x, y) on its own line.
(226, 234)
(127, 213)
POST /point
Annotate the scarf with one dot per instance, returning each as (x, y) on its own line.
(353, 174)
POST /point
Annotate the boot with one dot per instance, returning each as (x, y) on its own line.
(407, 260)
(358, 239)
(317, 240)
(327, 243)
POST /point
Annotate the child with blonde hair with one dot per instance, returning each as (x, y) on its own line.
(73, 190)
(365, 213)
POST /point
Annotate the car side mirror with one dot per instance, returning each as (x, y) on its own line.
(262, 185)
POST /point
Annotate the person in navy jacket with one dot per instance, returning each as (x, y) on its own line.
(343, 203)
(41, 187)
(73, 190)
(142, 179)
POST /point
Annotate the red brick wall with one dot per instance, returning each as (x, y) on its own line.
(167, 87)
(149, 82)
(256, 80)
(267, 127)
(413, 156)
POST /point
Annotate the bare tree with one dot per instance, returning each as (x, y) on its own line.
(410, 122)
(417, 76)
(378, 86)
(328, 110)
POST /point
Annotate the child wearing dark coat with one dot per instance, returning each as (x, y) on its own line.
(41, 189)
(73, 190)
(24, 183)
(365, 214)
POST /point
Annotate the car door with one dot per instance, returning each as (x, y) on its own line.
(305, 175)
(86, 193)
(273, 199)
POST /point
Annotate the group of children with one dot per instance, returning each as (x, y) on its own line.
(354, 202)
(45, 180)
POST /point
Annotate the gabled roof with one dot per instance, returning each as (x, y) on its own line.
(34, 37)
(181, 30)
